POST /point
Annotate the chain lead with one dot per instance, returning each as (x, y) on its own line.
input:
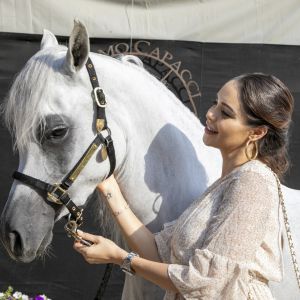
(288, 231)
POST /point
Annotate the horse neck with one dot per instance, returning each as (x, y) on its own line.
(145, 106)
(163, 143)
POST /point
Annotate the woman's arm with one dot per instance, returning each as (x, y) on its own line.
(138, 237)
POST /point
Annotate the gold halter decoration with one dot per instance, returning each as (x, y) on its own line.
(251, 156)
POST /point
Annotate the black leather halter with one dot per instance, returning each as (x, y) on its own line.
(58, 193)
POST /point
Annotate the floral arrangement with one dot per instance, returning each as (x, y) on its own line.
(9, 294)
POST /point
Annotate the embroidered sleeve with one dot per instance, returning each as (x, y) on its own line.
(163, 241)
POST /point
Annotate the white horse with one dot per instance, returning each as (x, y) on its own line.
(162, 163)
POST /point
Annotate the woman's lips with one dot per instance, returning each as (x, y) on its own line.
(208, 130)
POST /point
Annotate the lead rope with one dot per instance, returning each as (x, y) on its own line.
(104, 281)
(289, 236)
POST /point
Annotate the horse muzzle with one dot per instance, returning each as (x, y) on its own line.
(22, 233)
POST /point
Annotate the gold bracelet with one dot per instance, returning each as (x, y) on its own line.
(118, 212)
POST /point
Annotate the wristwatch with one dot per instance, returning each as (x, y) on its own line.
(126, 265)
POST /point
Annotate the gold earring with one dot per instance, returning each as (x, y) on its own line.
(251, 157)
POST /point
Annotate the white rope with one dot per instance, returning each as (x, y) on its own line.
(129, 20)
(132, 5)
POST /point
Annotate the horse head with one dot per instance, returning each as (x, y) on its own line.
(51, 114)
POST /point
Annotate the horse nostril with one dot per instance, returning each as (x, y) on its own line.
(15, 243)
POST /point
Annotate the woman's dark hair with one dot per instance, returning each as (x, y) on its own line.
(267, 101)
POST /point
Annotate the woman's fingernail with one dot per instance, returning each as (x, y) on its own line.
(79, 231)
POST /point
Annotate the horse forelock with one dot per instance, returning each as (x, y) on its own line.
(28, 94)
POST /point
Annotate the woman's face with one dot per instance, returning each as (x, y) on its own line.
(226, 127)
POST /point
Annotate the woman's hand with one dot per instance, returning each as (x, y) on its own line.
(101, 252)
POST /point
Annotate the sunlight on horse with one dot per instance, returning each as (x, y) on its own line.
(162, 163)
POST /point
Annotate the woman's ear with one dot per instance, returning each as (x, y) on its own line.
(79, 48)
(258, 132)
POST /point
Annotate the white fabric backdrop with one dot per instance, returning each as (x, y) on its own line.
(232, 21)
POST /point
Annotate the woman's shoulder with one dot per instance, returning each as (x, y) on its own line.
(252, 176)
(256, 170)
(257, 167)
(250, 183)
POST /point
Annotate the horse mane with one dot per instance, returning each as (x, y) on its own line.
(134, 62)
(21, 105)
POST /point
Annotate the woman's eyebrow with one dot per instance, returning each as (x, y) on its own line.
(225, 104)
(229, 107)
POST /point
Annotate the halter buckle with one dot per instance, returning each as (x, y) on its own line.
(99, 97)
(108, 141)
(54, 196)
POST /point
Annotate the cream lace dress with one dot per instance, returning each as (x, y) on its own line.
(228, 242)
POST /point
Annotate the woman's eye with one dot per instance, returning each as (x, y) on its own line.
(225, 114)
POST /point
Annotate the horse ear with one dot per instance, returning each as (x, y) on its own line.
(48, 40)
(79, 48)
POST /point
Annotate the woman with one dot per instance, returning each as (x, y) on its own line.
(226, 245)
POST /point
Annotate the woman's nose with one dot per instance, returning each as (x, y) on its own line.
(210, 115)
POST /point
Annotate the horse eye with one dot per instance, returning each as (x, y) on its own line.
(56, 133)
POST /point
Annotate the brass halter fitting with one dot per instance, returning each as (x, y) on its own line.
(52, 197)
(78, 221)
(100, 124)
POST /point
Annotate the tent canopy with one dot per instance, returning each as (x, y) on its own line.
(227, 21)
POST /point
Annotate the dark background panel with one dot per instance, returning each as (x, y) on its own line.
(63, 274)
